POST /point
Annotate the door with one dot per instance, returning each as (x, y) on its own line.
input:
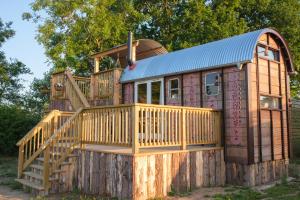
(150, 92)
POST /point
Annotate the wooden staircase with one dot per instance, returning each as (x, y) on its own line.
(49, 145)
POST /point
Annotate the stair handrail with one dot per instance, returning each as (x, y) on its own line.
(73, 128)
(46, 118)
(37, 136)
(72, 87)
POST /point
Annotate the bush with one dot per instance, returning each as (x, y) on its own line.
(15, 122)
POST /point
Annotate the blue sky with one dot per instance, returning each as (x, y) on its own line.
(23, 45)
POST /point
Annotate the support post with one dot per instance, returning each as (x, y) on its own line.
(183, 129)
(97, 65)
(20, 160)
(135, 129)
(46, 182)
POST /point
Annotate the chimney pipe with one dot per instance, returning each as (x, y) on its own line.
(129, 46)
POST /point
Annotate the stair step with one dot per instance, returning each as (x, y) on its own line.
(38, 176)
(42, 159)
(30, 184)
(34, 175)
(39, 167)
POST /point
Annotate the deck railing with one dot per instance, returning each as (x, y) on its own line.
(73, 92)
(145, 125)
(84, 83)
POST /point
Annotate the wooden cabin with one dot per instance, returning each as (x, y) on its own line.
(203, 116)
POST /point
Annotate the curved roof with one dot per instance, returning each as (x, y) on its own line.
(235, 50)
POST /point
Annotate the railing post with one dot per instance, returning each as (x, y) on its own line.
(183, 129)
(46, 169)
(135, 129)
(20, 160)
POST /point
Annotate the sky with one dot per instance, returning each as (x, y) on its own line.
(23, 46)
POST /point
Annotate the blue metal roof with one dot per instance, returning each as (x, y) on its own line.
(230, 51)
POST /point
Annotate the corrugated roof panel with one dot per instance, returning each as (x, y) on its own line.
(236, 49)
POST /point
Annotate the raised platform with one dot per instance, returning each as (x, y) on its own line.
(115, 172)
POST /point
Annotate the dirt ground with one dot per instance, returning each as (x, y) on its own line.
(8, 193)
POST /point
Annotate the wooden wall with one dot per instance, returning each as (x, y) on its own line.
(256, 174)
(128, 93)
(235, 115)
(157, 174)
(268, 132)
(147, 176)
(104, 174)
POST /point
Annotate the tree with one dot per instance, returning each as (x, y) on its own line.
(73, 30)
(10, 71)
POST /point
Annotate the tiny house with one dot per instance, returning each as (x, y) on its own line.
(201, 116)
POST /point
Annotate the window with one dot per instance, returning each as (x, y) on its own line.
(150, 92)
(155, 92)
(142, 93)
(212, 85)
(269, 102)
(174, 88)
(269, 53)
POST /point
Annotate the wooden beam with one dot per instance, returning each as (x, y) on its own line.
(113, 50)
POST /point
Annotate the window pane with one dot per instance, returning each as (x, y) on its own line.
(212, 83)
(142, 93)
(155, 92)
(273, 54)
(269, 102)
(174, 94)
(261, 51)
(174, 89)
(174, 84)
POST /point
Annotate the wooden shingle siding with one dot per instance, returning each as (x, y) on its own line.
(191, 90)
(235, 114)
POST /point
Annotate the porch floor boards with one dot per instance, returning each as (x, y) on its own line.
(128, 150)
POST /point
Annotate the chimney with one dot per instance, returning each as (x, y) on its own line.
(131, 54)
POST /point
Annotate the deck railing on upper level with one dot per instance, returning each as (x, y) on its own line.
(84, 83)
(73, 92)
(146, 125)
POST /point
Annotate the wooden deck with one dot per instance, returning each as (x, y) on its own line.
(160, 150)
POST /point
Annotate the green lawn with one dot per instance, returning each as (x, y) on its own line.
(283, 191)
(8, 172)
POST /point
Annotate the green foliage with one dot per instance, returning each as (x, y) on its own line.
(36, 100)
(14, 123)
(72, 30)
(10, 71)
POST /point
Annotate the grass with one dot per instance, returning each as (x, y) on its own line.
(283, 191)
(8, 172)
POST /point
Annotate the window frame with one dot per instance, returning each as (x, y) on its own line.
(173, 89)
(205, 83)
(266, 54)
(279, 98)
(149, 90)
